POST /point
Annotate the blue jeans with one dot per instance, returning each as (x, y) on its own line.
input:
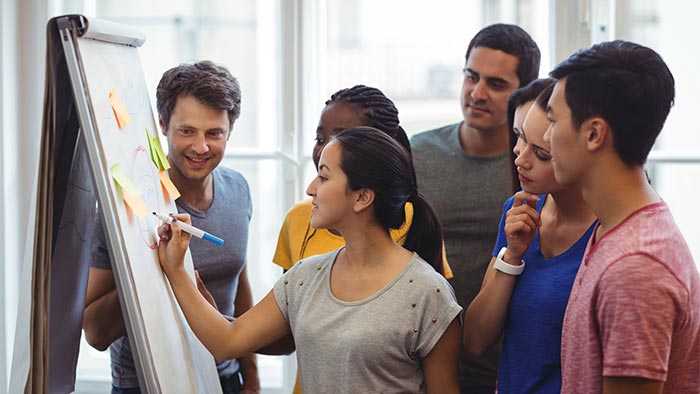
(230, 384)
(117, 390)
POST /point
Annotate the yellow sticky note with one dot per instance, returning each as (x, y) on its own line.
(129, 192)
(119, 109)
(168, 185)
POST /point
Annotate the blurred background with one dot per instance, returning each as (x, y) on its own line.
(289, 57)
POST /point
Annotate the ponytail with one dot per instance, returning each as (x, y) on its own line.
(375, 160)
(425, 235)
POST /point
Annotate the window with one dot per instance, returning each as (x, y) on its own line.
(674, 166)
(412, 51)
(243, 36)
(291, 55)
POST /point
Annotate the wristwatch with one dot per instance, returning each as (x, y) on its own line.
(506, 268)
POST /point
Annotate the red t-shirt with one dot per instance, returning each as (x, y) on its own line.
(634, 310)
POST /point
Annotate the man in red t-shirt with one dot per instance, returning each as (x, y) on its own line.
(632, 324)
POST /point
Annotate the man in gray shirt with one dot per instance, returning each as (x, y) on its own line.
(197, 106)
(465, 170)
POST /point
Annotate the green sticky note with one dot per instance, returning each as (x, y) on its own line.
(164, 164)
(122, 180)
(156, 152)
(151, 152)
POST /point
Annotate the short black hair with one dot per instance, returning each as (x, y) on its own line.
(512, 40)
(628, 85)
(209, 83)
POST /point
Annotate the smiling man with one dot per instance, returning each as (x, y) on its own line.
(465, 170)
(197, 107)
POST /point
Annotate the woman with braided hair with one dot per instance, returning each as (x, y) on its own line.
(352, 107)
(359, 105)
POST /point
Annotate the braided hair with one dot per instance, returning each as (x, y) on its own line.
(377, 110)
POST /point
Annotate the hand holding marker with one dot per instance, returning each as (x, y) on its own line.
(191, 229)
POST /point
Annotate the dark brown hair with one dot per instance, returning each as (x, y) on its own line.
(209, 83)
(539, 90)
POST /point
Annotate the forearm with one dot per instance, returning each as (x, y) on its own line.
(281, 347)
(485, 317)
(210, 326)
(103, 322)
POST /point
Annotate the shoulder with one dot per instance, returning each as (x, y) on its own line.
(650, 232)
(313, 264)
(430, 281)
(297, 220)
(230, 177)
(639, 276)
(233, 185)
(433, 139)
(637, 271)
(306, 274)
(300, 211)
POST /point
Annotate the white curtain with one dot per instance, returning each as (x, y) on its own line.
(22, 47)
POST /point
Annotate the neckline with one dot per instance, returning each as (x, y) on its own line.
(371, 297)
(196, 212)
(584, 238)
(456, 143)
(594, 242)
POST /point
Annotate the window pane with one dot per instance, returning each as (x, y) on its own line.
(677, 184)
(235, 34)
(414, 52)
(267, 188)
(671, 31)
(241, 35)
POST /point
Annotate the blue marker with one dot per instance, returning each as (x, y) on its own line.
(191, 229)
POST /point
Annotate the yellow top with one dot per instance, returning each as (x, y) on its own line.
(297, 239)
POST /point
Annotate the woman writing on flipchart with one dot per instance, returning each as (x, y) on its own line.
(371, 316)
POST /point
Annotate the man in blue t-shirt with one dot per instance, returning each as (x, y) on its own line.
(197, 107)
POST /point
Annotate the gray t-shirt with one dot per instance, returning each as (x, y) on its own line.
(467, 194)
(228, 217)
(368, 346)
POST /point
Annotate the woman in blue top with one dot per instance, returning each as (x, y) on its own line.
(543, 233)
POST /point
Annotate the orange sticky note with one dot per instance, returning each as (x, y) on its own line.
(129, 193)
(135, 202)
(119, 109)
(168, 185)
